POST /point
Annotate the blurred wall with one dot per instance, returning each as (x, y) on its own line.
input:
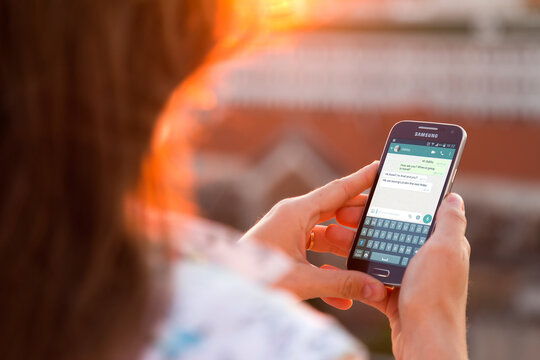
(306, 106)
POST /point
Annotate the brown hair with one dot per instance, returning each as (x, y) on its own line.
(82, 84)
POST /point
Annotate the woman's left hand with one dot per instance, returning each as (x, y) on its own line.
(288, 227)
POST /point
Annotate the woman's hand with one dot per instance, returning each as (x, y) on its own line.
(427, 314)
(288, 227)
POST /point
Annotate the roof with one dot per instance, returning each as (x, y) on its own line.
(348, 140)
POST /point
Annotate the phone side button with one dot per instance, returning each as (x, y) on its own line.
(451, 183)
(384, 273)
(453, 176)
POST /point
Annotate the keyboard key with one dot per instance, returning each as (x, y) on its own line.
(388, 246)
(382, 246)
(370, 232)
(408, 239)
(366, 255)
(422, 240)
(358, 253)
(404, 261)
(376, 245)
(395, 248)
(368, 220)
(383, 234)
(401, 237)
(401, 249)
(369, 244)
(396, 236)
(379, 222)
(361, 242)
(425, 230)
(408, 250)
(376, 234)
(386, 223)
(419, 229)
(399, 225)
(364, 231)
(416, 250)
(412, 228)
(389, 235)
(405, 226)
(415, 239)
(392, 224)
(391, 259)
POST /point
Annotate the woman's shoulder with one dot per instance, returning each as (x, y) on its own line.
(217, 314)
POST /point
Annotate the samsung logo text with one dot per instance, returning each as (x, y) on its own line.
(427, 135)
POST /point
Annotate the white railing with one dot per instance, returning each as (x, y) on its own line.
(359, 71)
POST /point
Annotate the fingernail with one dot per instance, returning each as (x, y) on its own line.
(367, 292)
(373, 292)
(455, 200)
(328, 267)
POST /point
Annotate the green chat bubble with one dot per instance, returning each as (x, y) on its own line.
(430, 166)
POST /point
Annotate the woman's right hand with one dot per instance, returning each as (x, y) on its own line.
(427, 314)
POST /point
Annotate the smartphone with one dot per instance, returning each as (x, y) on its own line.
(417, 169)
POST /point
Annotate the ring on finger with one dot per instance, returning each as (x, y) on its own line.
(311, 241)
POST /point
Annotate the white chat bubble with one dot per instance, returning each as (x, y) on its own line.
(411, 182)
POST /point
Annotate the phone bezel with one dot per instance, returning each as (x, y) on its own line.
(447, 133)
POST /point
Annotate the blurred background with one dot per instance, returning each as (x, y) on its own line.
(314, 98)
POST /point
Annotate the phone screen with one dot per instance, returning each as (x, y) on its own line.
(402, 209)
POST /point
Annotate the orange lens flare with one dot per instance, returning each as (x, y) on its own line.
(167, 181)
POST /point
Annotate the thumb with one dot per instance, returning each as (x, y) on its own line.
(451, 221)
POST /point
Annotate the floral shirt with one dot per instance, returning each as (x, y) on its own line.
(222, 306)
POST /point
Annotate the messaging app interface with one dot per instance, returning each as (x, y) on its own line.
(404, 202)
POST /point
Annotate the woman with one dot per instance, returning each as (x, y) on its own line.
(82, 85)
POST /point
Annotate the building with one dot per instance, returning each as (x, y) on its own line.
(307, 106)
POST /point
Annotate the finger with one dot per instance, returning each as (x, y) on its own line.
(345, 284)
(333, 239)
(451, 222)
(322, 203)
(358, 200)
(349, 216)
(338, 303)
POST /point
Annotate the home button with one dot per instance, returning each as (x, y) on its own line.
(379, 272)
